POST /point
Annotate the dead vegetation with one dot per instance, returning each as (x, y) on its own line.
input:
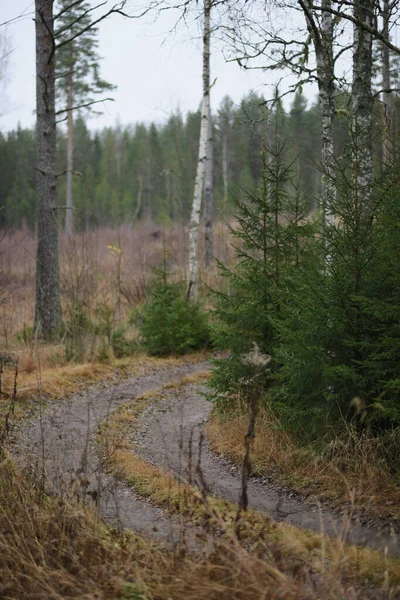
(310, 551)
(350, 470)
(105, 268)
(53, 549)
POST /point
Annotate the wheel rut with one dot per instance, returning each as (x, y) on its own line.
(60, 444)
(169, 436)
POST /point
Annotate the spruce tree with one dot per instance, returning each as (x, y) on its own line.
(270, 240)
(339, 332)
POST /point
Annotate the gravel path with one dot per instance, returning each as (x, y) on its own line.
(168, 436)
(60, 443)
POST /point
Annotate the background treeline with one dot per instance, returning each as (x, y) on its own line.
(122, 174)
(125, 173)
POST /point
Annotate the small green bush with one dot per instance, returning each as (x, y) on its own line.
(25, 335)
(169, 323)
(77, 327)
(121, 345)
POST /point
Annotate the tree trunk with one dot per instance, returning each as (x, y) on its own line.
(138, 207)
(195, 217)
(209, 198)
(323, 44)
(48, 306)
(69, 220)
(387, 109)
(362, 103)
(225, 168)
(326, 85)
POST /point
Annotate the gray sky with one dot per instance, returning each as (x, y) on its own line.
(155, 71)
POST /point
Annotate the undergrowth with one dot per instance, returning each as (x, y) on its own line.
(220, 516)
(51, 549)
(344, 468)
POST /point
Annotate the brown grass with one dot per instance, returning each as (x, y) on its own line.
(349, 471)
(305, 548)
(51, 549)
(94, 274)
(46, 382)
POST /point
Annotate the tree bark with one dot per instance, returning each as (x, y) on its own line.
(195, 218)
(225, 175)
(387, 108)
(69, 220)
(48, 306)
(209, 198)
(322, 37)
(362, 102)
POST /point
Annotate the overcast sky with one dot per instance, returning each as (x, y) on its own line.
(154, 71)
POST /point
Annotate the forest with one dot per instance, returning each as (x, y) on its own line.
(128, 173)
(200, 317)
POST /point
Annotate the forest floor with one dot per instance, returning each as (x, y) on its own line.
(136, 447)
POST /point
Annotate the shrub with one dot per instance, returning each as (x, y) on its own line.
(121, 345)
(77, 327)
(169, 323)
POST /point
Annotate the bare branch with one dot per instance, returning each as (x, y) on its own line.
(86, 105)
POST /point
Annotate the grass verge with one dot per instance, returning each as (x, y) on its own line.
(348, 472)
(310, 551)
(51, 549)
(37, 383)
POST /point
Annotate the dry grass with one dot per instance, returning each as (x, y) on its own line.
(51, 549)
(309, 551)
(102, 268)
(349, 471)
(43, 381)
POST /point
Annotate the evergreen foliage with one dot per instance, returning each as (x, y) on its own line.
(169, 323)
(340, 335)
(321, 300)
(77, 59)
(126, 173)
(271, 239)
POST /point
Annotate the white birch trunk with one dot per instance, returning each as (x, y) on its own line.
(69, 222)
(225, 168)
(362, 104)
(387, 109)
(323, 44)
(209, 198)
(326, 77)
(195, 217)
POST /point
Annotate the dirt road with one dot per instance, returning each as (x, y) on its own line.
(60, 443)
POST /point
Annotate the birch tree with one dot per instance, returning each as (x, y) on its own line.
(364, 14)
(209, 198)
(322, 37)
(48, 305)
(195, 217)
(387, 108)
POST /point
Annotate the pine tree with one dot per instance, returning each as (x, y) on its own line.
(78, 79)
(48, 304)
